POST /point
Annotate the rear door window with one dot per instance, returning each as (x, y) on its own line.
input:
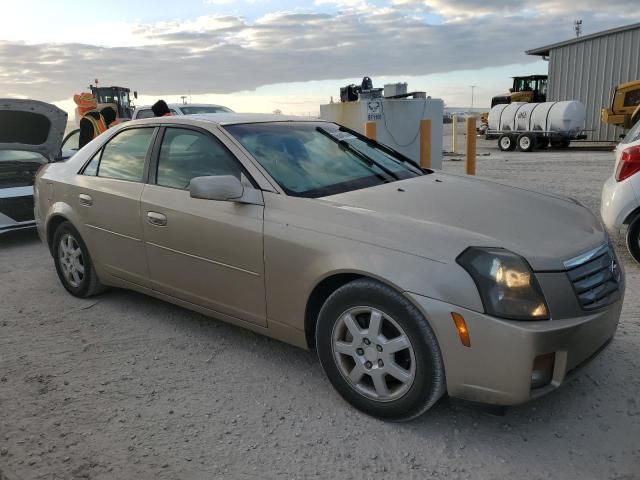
(123, 157)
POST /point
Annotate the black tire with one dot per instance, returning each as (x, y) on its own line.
(428, 383)
(526, 142)
(633, 239)
(506, 143)
(88, 284)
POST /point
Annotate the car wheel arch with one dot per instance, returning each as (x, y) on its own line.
(52, 224)
(323, 290)
(632, 217)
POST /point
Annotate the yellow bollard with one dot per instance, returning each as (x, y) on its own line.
(370, 130)
(425, 143)
(470, 158)
(454, 124)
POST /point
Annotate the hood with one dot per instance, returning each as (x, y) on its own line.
(438, 216)
(31, 126)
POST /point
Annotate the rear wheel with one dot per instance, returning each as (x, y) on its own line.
(526, 142)
(73, 263)
(379, 352)
(633, 239)
(506, 143)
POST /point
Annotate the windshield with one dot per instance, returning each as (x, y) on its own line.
(316, 159)
(207, 109)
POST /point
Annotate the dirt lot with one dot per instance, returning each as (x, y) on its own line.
(123, 386)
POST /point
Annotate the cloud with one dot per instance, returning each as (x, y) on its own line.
(229, 54)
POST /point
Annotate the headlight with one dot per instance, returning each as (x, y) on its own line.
(506, 283)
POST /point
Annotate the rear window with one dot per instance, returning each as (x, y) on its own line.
(633, 135)
(208, 109)
(146, 113)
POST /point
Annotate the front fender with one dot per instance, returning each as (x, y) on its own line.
(298, 259)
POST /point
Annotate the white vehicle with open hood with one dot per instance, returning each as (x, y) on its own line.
(30, 136)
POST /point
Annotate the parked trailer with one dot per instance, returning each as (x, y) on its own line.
(527, 126)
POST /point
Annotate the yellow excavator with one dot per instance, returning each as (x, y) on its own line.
(625, 105)
(529, 89)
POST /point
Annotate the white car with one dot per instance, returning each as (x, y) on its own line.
(621, 193)
(181, 109)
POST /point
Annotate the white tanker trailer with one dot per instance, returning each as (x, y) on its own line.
(536, 125)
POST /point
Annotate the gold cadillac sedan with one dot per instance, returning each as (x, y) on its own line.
(408, 283)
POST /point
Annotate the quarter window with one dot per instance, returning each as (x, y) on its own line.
(124, 155)
(186, 154)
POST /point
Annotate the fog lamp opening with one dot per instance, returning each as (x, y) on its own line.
(461, 326)
(542, 370)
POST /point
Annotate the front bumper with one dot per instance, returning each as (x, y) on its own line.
(497, 368)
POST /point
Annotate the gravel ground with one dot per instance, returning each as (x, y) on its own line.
(124, 386)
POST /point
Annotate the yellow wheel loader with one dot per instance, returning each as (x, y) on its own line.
(625, 105)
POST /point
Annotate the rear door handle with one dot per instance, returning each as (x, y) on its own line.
(85, 200)
(157, 219)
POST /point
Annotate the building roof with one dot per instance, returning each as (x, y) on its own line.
(544, 51)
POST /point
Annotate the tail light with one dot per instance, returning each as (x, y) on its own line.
(629, 163)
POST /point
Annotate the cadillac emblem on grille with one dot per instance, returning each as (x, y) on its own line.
(615, 270)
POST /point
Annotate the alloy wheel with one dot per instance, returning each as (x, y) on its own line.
(373, 353)
(71, 260)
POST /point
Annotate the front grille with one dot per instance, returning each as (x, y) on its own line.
(596, 278)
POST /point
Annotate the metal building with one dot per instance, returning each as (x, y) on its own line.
(588, 68)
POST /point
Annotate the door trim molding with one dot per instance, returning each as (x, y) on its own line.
(225, 265)
(113, 233)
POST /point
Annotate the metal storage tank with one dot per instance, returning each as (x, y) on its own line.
(397, 122)
(588, 68)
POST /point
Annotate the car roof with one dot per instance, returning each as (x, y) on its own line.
(228, 118)
(180, 105)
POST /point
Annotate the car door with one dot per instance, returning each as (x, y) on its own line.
(206, 252)
(108, 204)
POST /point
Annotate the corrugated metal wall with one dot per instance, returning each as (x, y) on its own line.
(589, 70)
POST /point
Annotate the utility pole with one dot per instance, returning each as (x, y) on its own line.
(472, 88)
(577, 27)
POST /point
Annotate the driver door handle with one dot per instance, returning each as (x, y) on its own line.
(157, 219)
(85, 200)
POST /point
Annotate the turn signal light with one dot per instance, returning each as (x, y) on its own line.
(461, 326)
(629, 163)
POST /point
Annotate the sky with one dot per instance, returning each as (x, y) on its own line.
(262, 55)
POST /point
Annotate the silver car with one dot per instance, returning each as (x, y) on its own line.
(408, 283)
(144, 111)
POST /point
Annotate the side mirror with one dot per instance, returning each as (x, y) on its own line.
(224, 188)
(135, 94)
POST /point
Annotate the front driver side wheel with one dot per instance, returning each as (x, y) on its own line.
(379, 352)
(73, 263)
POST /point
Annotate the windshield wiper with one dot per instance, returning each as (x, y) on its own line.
(388, 150)
(358, 154)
